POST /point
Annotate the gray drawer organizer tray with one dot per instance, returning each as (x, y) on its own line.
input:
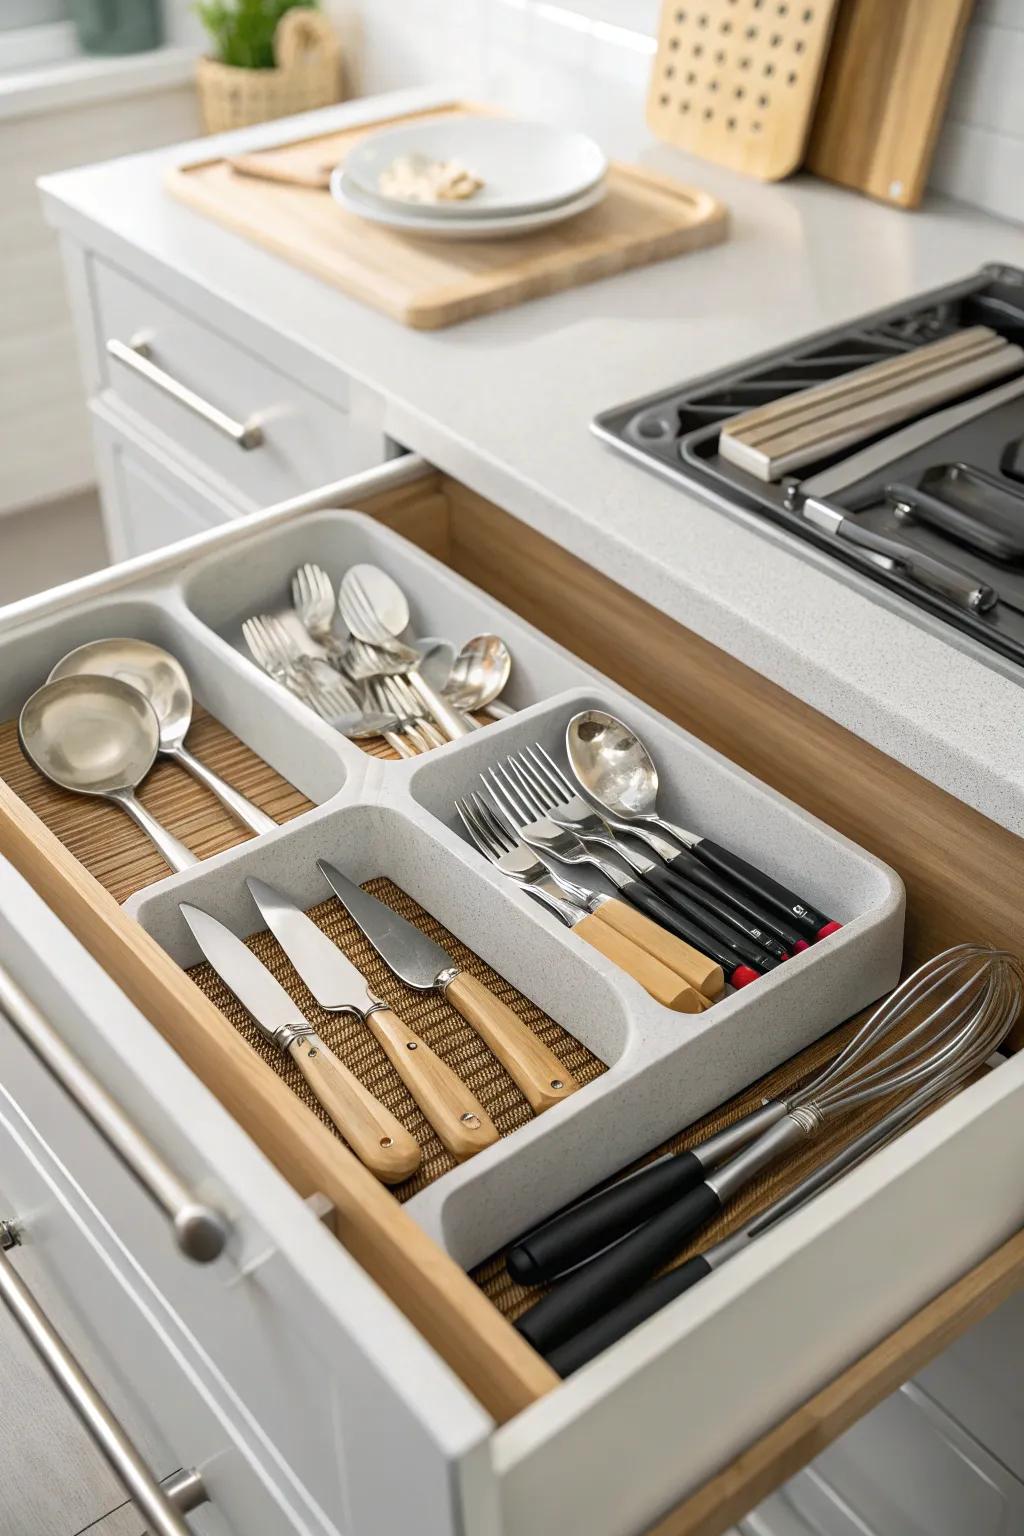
(374, 817)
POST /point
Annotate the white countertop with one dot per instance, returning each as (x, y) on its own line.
(505, 402)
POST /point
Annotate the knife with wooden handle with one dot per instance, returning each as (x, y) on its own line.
(425, 965)
(462, 1124)
(373, 1133)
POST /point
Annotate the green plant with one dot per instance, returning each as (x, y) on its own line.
(243, 30)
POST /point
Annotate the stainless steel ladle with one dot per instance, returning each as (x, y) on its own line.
(161, 678)
(99, 736)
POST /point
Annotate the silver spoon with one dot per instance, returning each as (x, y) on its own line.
(99, 736)
(616, 769)
(375, 609)
(161, 678)
(618, 772)
(479, 674)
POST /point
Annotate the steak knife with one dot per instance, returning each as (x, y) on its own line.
(373, 1133)
(460, 1121)
(421, 963)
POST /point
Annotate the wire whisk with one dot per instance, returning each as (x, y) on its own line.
(932, 1033)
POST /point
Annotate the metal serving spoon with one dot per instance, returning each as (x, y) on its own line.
(161, 678)
(618, 772)
(99, 736)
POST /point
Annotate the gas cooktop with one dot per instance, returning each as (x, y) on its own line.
(931, 507)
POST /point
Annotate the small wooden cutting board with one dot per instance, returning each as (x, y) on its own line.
(427, 283)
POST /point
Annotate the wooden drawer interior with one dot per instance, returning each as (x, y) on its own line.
(961, 871)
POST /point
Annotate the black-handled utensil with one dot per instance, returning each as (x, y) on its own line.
(508, 785)
(686, 864)
(979, 998)
(545, 785)
(814, 924)
(614, 1325)
(590, 1342)
(737, 971)
(610, 1278)
(749, 941)
(617, 772)
(589, 1225)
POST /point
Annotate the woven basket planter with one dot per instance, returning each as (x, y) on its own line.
(307, 75)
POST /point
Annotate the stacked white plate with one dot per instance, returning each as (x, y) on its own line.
(533, 176)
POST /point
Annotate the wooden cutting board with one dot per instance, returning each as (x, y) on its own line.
(735, 81)
(885, 89)
(428, 283)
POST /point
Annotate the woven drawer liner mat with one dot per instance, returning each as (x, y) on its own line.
(113, 849)
(426, 1013)
(512, 1299)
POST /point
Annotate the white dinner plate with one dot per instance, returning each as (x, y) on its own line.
(377, 211)
(525, 167)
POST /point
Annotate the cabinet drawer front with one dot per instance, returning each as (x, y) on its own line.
(148, 501)
(296, 439)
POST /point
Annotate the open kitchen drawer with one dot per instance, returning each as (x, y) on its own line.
(727, 1391)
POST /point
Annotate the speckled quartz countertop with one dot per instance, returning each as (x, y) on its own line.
(504, 403)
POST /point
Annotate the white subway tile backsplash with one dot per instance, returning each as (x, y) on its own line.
(980, 157)
(551, 56)
(987, 91)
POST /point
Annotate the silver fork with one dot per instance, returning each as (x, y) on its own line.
(397, 689)
(723, 920)
(358, 613)
(528, 819)
(314, 601)
(521, 864)
(326, 683)
(561, 796)
(363, 660)
(270, 647)
(671, 972)
(409, 727)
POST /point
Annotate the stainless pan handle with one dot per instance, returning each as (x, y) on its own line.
(160, 1507)
(200, 1231)
(135, 355)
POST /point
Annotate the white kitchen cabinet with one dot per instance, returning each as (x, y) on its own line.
(150, 495)
(55, 1480)
(191, 384)
(978, 1381)
(907, 1469)
(192, 425)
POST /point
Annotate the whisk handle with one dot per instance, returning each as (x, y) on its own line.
(586, 1345)
(806, 918)
(613, 1276)
(583, 1230)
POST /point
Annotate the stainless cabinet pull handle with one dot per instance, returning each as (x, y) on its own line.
(200, 1231)
(135, 355)
(160, 1508)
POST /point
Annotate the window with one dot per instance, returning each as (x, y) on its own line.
(15, 14)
